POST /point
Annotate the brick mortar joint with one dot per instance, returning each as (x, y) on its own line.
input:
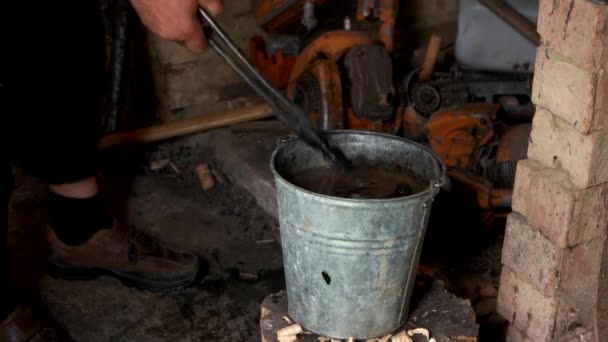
(562, 122)
(519, 278)
(553, 54)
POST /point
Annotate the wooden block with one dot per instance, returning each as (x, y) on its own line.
(446, 317)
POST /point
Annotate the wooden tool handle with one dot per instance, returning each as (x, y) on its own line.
(187, 126)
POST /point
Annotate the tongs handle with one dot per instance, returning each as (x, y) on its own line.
(224, 46)
(282, 107)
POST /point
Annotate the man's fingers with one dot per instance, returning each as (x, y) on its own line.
(195, 41)
(214, 7)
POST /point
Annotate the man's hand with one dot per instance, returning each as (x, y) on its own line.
(177, 20)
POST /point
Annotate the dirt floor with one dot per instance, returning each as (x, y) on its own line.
(223, 225)
(237, 239)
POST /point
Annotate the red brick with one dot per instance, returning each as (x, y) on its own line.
(566, 318)
(590, 215)
(575, 28)
(525, 307)
(514, 335)
(546, 197)
(566, 214)
(601, 99)
(555, 143)
(566, 90)
(579, 276)
(531, 255)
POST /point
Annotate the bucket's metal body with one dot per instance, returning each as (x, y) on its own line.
(350, 264)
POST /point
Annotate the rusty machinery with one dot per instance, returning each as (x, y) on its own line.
(478, 122)
(344, 77)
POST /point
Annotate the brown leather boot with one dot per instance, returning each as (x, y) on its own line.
(23, 325)
(134, 258)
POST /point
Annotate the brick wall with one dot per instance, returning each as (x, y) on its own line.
(556, 235)
(189, 84)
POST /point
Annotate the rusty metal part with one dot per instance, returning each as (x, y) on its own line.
(456, 134)
(292, 115)
(276, 67)
(385, 11)
(330, 45)
(274, 15)
(413, 126)
(309, 19)
(514, 19)
(319, 93)
(488, 197)
(387, 16)
(430, 58)
(514, 143)
(426, 98)
(500, 161)
(460, 86)
(391, 126)
(370, 72)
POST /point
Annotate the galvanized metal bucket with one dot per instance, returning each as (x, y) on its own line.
(350, 264)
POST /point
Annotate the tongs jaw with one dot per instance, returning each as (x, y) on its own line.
(292, 115)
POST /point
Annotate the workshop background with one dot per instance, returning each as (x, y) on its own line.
(515, 250)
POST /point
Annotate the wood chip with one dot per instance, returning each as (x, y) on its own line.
(286, 319)
(290, 331)
(402, 337)
(262, 242)
(323, 339)
(158, 164)
(174, 168)
(420, 331)
(204, 176)
(248, 276)
(385, 338)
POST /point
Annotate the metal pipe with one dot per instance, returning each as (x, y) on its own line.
(515, 19)
(119, 51)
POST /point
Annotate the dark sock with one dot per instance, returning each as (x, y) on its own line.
(7, 300)
(75, 221)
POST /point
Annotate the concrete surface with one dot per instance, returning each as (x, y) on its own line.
(245, 158)
(223, 225)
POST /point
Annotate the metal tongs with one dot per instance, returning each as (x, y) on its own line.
(292, 115)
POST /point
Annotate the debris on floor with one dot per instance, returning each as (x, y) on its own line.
(205, 176)
(434, 312)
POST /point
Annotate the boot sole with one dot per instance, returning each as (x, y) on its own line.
(79, 273)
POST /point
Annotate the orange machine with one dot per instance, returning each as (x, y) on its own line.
(344, 79)
(337, 62)
(480, 153)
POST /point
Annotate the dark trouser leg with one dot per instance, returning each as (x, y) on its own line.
(54, 83)
(6, 297)
(54, 69)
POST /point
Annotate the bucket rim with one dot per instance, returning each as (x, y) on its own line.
(432, 188)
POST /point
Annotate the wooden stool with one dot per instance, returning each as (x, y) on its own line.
(446, 317)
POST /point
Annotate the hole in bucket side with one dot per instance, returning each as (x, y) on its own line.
(326, 277)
